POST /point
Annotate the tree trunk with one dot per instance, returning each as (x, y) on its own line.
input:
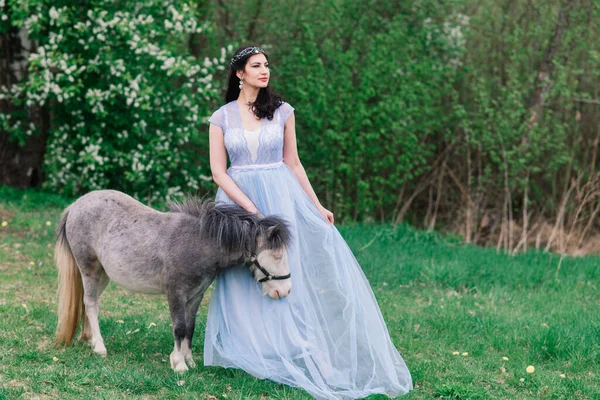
(20, 166)
(543, 84)
(23, 166)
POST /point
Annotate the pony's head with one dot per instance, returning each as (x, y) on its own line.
(269, 265)
(261, 241)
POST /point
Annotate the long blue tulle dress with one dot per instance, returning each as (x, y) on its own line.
(328, 336)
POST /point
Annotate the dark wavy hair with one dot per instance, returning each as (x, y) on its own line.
(266, 102)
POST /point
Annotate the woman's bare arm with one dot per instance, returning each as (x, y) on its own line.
(218, 166)
(291, 158)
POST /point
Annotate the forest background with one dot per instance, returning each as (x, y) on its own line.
(476, 118)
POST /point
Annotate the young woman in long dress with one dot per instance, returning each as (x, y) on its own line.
(327, 335)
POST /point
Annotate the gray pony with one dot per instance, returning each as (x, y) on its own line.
(107, 235)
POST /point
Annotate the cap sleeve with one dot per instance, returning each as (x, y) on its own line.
(218, 118)
(286, 110)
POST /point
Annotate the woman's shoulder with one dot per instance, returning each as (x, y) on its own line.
(221, 113)
(286, 110)
(285, 105)
(219, 117)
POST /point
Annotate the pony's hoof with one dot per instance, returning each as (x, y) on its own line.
(180, 368)
(178, 363)
(101, 351)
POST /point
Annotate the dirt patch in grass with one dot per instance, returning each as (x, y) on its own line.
(5, 214)
(16, 384)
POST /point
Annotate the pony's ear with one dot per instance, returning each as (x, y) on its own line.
(273, 230)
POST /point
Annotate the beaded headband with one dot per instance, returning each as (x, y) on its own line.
(245, 52)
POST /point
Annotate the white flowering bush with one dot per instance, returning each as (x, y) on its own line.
(128, 103)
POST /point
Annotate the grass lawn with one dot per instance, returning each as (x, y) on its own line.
(467, 321)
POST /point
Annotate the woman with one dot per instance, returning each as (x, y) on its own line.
(327, 335)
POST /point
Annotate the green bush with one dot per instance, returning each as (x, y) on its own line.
(369, 84)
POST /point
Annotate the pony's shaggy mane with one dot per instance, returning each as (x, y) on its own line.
(231, 227)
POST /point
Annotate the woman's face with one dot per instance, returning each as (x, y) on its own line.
(256, 71)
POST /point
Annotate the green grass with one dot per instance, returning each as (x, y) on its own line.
(437, 296)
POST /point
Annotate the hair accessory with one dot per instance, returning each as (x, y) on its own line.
(245, 52)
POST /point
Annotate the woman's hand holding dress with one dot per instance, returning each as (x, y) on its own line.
(328, 215)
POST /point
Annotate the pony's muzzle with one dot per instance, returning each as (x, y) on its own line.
(279, 292)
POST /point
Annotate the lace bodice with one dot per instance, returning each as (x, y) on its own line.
(247, 148)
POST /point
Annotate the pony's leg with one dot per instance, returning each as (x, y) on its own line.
(177, 310)
(190, 317)
(93, 285)
(86, 331)
(190, 313)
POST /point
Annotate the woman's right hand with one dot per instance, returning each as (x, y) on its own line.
(255, 211)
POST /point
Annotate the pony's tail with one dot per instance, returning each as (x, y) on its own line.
(70, 286)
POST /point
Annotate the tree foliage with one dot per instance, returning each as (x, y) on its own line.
(127, 100)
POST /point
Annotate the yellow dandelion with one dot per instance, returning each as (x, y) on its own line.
(48, 223)
(465, 354)
(4, 223)
(456, 353)
(505, 358)
(530, 369)
(562, 375)
(31, 263)
(55, 358)
(151, 325)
